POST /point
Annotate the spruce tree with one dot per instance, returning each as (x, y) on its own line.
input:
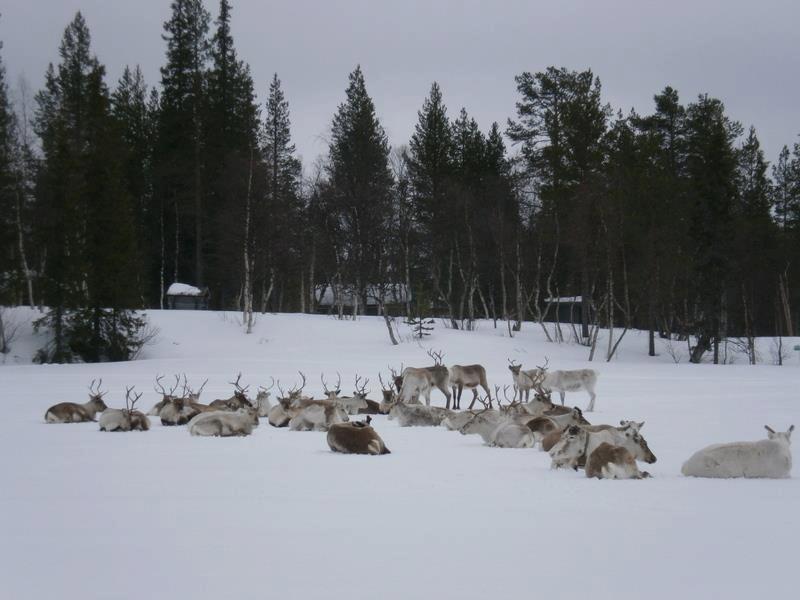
(361, 184)
(711, 167)
(281, 213)
(786, 189)
(179, 153)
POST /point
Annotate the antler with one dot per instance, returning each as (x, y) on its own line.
(297, 390)
(363, 388)
(175, 387)
(129, 404)
(438, 357)
(186, 389)
(160, 389)
(96, 392)
(512, 362)
(383, 385)
(237, 386)
(200, 391)
(262, 388)
(280, 389)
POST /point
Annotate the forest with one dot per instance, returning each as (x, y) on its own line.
(568, 212)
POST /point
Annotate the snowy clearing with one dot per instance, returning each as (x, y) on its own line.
(161, 514)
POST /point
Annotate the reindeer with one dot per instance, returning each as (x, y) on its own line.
(548, 425)
(237, 401)
(70, 412)
(770, 458)
(351, 404)
(166, 396)
(577, 444)
(523, 380)
(414, 381)
(288, 404)
(225, 423)
(356, 438)
(126, 419)
(499, 430)
(418, 415)
(613, 462)
(262, 399)
(469, 376)
(567, 381)
(389, 396)
(365, 405)
(317, 415)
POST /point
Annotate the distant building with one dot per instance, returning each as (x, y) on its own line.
(394, 296)
(181, 296)
(567, 309)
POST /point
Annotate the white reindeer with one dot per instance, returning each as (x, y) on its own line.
(499, 429)
(569, 381)
(125, 419)
(222, 423)
(770, 458)
(263, 405)
(317, 415)
(70, 412)
(418, 415)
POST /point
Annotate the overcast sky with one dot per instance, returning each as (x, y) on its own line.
(745, 53)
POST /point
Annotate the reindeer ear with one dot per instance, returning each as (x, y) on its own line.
(768, 428)
(790, 430)
(622, 422)
(641, 424)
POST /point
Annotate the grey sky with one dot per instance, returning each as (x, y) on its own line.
(745, 53)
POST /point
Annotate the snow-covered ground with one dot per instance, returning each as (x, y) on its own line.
(161, 514)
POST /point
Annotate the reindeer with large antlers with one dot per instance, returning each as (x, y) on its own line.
(172, 409)
(166, 396)
(70, 412)
(288, 404)
(125, 419)
(237, 401)
(389, 395)
(357, 403)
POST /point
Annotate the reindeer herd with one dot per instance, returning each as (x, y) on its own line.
(603, 451)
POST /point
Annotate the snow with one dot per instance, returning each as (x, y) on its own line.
(161, 514)
(183, 289)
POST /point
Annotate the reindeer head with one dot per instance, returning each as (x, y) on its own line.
(332, 394)
(96, 396)
(783, 436)
(160, 389)
(240, 393)
(263, 392)
(397, 380)
(361, 391)
(514, 367)
(637, 445)
(189, 393)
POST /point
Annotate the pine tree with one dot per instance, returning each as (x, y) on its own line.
(361, 184)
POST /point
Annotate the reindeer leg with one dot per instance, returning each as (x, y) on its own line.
(591, 402)
(562, 394)
(488, 393)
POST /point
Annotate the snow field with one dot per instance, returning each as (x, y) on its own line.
(162, 514)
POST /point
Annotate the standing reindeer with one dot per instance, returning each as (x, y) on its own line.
(126, 419)
(69, 412)
(567, 381)
(413, 381)
(468, 376)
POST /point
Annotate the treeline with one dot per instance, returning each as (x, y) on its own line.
(671, 222)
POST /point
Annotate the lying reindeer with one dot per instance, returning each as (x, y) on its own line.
(69, 412)
(125, 419)
(770, 458)
(221, 423)
(262, 399)
(166, 396)
(577, 444)
(499, 430)
(418, 415)
(356, 438)
(235, 402)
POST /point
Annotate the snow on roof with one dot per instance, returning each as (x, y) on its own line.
(393, 293)
(184, 289)
(564, 300)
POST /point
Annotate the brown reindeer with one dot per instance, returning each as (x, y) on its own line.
(166, 396)
(423, 379)
(235, 402)
(468, 376)
(356, 438)
(70, 412)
